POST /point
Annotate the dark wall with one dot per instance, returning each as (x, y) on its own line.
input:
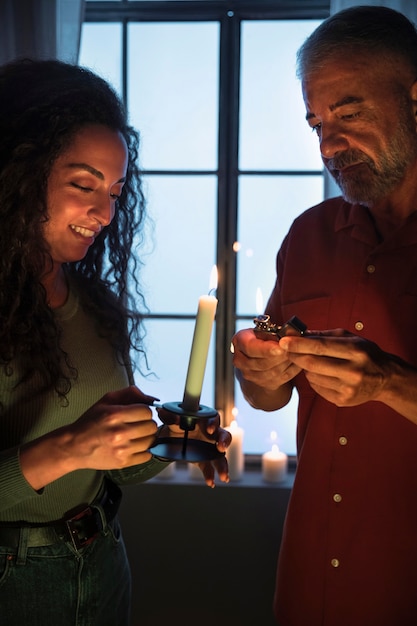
(203, 556)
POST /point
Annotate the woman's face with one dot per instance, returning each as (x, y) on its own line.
(83, 187)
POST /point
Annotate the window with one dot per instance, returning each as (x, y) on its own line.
(228, 163)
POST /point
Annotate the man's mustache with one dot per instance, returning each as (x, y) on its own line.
(348, 158)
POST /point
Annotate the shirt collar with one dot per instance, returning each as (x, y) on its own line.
(359, 220)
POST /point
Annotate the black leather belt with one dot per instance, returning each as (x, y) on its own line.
(81, 529)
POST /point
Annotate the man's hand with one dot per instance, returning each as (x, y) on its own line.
(343, 368)
(264, 363)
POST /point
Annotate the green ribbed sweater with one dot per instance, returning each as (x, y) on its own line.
(26, 415)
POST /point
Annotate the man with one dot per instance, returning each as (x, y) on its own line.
(349, 549)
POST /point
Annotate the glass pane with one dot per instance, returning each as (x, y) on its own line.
(267, 208)
(258, 425)
(181, 247)
(173, 93)
(168, 347)
(273, 130)
(267, 204)
(101, 51)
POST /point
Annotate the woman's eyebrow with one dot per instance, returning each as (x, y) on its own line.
(92, 170)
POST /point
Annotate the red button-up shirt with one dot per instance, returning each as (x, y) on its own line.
(349, 551)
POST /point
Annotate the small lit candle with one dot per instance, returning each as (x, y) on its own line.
(234, 453)
(274, 463)
(206, 312)
(259, 302)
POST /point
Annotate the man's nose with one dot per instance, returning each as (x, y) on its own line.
(332, 140)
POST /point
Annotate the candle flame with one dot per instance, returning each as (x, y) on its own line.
(273, 435)
(213, 279)
(235, 411)
(275, 449)
(259, 302)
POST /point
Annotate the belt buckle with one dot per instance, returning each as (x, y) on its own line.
(74, 529)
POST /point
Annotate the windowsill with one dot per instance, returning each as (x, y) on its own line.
(251, 478)
(230, 535)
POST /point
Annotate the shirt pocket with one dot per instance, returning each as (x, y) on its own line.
(399, 333)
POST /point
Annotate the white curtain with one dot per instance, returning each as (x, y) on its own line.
(408, 7)
(40, 29)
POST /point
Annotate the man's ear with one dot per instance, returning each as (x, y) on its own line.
(413, 94)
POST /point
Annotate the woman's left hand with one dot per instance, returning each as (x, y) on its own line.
(206, 429)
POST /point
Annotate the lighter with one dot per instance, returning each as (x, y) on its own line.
(265, 329)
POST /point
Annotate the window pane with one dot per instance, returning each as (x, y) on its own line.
(273, 130)
(168, 348)
(267, 207)
(101, 50)
(172, 72)
(181, 249)
(173, 93)
(258, 425)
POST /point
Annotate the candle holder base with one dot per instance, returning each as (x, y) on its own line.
(171, 449)
(183, 448)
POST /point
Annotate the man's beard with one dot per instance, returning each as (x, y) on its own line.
(372, 181)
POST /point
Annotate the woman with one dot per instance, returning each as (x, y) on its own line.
(73, 425)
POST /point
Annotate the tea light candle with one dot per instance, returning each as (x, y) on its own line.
(274, 465)
(234, 453)
(207, 306)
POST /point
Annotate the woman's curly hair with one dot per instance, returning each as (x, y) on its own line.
(43, 104)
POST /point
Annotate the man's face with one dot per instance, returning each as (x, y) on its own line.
(363, 115)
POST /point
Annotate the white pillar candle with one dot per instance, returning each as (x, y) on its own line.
(194, 472)
(274, 465)
(168, 471)
(259, 302)
(234, 453)
(206, 312)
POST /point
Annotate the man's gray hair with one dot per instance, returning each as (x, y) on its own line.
(373, 30)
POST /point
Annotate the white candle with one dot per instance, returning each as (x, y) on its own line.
(206, 312)
(168, 471)
(194, 472)
(234, 453)
(259, 302)
(274, 465)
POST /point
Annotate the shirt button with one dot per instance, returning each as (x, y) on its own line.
(335, 562)
(343, 441)
(371, 268)
(359, 326)
(337, 497)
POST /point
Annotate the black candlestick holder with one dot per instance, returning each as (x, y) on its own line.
(184, 448)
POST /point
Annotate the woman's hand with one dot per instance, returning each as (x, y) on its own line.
(114, 433)
(207, 430)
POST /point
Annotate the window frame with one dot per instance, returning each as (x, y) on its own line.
(230, 15)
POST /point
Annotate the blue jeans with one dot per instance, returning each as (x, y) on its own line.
(58, 585)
